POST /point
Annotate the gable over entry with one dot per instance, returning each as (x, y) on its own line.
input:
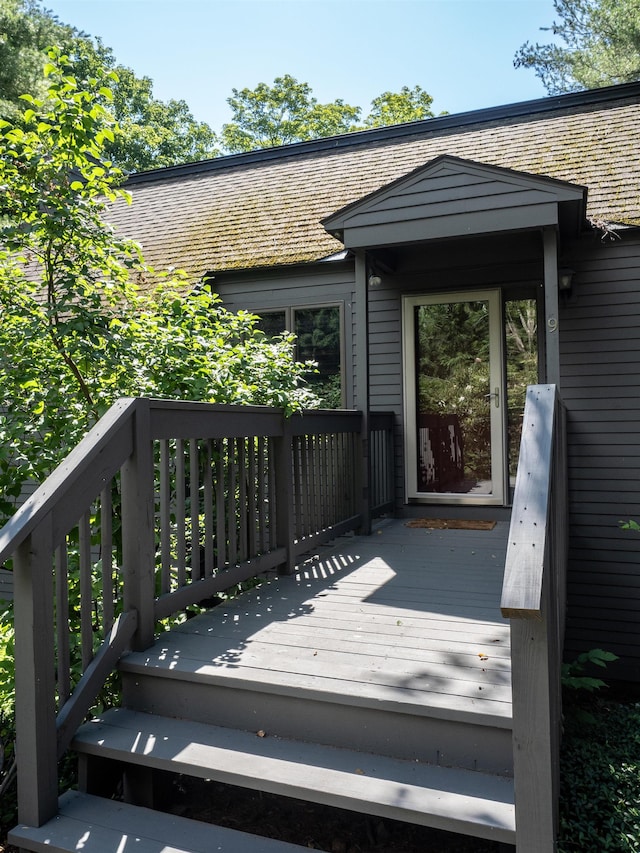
(457, 210)
(452, 197)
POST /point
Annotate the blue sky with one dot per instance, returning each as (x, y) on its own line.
(460, 51)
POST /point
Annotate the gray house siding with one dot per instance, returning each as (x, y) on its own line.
(331, 282)
(600, 379)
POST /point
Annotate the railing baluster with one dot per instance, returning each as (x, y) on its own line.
(305, 495)
(263, 472)
(242, 500)
(221, 533)
(165, 516)
(314, 515)
(336, 487)
(250, 498)
(106, 554)
(231, 503)
(181, 514)
(86, 592)
(62, 623)
(271, 503)
(209, 510)
(254, 530)
(194, 494)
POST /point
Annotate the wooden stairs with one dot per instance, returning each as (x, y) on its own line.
(341, 686)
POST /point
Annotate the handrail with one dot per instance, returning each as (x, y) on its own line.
(71, 474)
(528, 532)
(162, 504)
(533, 599)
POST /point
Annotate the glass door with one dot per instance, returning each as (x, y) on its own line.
(454, 397)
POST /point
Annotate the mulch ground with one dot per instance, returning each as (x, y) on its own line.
(313, 826)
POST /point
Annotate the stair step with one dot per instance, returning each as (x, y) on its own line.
(452, 799)
(96, 825)
(436, 728)
(191, 658)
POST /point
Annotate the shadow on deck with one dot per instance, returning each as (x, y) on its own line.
(405, 616)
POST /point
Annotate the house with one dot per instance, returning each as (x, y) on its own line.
(470, 288)
(386, 226)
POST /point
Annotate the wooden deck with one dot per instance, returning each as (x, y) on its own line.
(405, 616)
(377, 679)
(383, 658)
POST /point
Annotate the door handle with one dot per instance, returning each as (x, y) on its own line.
(495, 395)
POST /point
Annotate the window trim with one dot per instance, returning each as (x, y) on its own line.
(289, 316)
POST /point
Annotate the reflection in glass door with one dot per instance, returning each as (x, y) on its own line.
(454, 397)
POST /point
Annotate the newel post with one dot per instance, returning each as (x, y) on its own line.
(138, 535)
(285, 517)
(36, 741)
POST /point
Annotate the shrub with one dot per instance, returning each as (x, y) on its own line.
(600, 779)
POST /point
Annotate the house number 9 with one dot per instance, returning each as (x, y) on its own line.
(552, 323)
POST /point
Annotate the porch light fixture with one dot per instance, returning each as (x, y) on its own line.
(375, 280)
(565, 279)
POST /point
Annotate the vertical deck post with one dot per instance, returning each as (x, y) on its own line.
(285, 521)
(36, 741)
(552, 332)
(533, 599)
(138, 545)
(362, 386)
(535, 743)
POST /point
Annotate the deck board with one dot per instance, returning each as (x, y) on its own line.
(404, 615)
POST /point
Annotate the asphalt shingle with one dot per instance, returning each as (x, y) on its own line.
(257, 211)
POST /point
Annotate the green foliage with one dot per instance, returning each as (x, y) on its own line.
(629, 525)
(26, 31)
(398, 107)
(158, 133)
(84, 321)
(285, 112)
(154, 133)
(573, 673)
(600, 46)
(77, 329)
(600, 778)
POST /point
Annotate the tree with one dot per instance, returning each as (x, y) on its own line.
(601, 46)
(76, 331)
(399, 107)
(154, 133)
(25, 33)
(287, 112)
(283, 113)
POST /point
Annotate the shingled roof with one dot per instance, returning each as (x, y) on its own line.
(265, 208)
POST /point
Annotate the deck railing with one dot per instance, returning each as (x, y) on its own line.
(162, 505)
(381, 462)
(533, 598)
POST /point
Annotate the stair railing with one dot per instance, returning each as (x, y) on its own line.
(162, 505)
(533, 598)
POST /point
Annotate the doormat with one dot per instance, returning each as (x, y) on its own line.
(450, 524)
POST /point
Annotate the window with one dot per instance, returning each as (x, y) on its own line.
(318, 331)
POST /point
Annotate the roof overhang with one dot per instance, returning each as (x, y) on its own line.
(452, 197)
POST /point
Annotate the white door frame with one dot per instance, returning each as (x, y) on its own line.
(494, 300)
